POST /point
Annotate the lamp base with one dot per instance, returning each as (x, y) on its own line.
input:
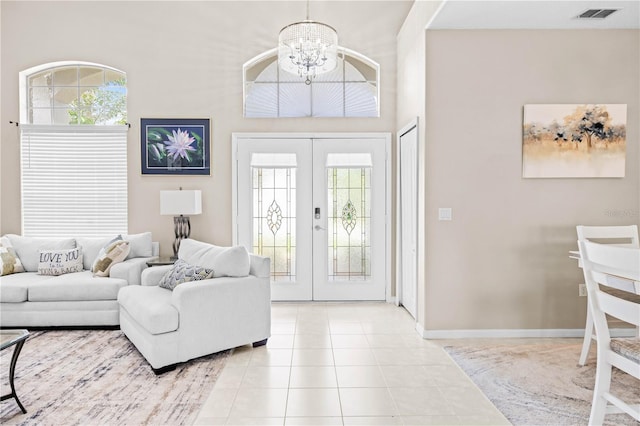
(182, 229)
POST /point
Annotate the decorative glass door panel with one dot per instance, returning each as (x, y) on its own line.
(274, 219)
(349, 223)
(317, 209)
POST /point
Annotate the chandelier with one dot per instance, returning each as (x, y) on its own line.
(308, 48)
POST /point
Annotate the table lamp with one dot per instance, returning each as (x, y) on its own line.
(180, 204)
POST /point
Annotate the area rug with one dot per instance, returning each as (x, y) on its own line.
(540, 383)
(98, 377)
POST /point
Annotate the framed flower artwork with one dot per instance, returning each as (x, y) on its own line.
(175, 146)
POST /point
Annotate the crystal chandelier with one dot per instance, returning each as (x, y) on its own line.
(308, 48)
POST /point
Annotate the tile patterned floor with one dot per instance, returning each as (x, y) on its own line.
(345, 364)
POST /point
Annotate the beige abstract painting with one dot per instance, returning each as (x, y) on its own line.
(574, 141)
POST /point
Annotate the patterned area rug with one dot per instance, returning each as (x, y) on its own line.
(540, 383)
(99, 377)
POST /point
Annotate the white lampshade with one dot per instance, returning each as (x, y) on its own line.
(181, 202)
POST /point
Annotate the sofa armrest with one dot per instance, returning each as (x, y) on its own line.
(130, 270)
(235, 310)
(152, 276)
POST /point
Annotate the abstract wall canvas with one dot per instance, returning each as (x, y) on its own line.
(570, 140)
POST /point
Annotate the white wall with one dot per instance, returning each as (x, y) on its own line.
(182, 59)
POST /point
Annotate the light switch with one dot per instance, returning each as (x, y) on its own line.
(444, 213)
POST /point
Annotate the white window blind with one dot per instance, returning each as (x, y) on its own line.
(74, 180)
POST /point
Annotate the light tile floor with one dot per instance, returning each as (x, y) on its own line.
(344, 364)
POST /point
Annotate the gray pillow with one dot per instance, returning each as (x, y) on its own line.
(182, 272)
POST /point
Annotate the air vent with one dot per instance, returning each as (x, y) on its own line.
(596, 13)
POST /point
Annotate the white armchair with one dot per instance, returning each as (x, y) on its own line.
(200, 317)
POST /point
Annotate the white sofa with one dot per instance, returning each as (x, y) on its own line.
(75, 299)
(200, 317)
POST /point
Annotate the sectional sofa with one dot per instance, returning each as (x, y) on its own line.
(77, 299)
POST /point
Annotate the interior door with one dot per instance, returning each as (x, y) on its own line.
(408, 218)
(318, 209)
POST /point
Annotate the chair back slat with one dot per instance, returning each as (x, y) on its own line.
(618, 283)
(619, 308)
(622, 262)
(628, 233)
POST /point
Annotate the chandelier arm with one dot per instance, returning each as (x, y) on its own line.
(308, 48)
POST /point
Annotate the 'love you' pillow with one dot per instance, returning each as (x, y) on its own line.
(59, 262)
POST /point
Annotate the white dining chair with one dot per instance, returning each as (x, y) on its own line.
(623, 236)
(603, 264)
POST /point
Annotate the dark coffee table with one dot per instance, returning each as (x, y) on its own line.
(9, 338)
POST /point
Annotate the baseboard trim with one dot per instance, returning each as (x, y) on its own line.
(514, 333)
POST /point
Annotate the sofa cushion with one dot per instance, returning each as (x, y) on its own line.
(141, 245)
(15, 288)
(198, 253)
(76, 286)
(232, 262)
(60, 262)
(151, 307)
(113, 253)
(225, 261)
(91, 246)
(182, 272)
(28, 248)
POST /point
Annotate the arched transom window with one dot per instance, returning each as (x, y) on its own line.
(351, 90)
(75, 93)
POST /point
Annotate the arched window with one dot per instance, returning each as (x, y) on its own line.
(73, 150)
(351, 90)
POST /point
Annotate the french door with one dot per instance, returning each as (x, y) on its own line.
(318, 208)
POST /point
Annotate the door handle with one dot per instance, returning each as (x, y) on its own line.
(318, 228)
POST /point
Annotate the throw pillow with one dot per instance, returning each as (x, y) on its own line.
(59, 262)
(91, 247)
(28, 248)
(9, 261)
(182, 272)
(114, 252)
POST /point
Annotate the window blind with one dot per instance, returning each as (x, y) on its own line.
(74, 180)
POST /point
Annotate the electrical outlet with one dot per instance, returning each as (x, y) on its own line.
(582, 289)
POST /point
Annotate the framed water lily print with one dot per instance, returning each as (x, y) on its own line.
(175, 146)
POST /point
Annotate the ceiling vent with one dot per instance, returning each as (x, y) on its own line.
(596, 13)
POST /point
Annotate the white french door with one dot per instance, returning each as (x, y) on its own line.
(318, 208)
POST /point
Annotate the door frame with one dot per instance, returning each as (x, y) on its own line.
(399, 285)
(235, 140)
